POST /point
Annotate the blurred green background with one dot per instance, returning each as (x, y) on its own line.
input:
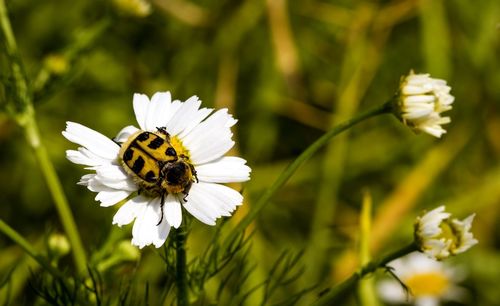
(288, 71)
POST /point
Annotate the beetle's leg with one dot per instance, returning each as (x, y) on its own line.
(161, 207)
(186, 191)
(193, 171)
(163, 130)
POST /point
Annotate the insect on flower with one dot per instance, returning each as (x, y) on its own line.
(174, 160)
(152, 161)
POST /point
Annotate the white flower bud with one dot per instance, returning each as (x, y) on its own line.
(439, 237)
(420, 102)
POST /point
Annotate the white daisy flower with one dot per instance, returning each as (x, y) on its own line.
(440, 237)
(429, 282)
(174, 159)
(420, 102)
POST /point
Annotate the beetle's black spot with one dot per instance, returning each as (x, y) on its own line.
(156, 143)
(138, 165)
(143, 136)
(150, 176)
(170, 152)
(128, 155)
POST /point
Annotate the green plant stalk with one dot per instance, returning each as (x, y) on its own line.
(180, 269)
(26, 246)
(304, 156)
(56, 190)
(338, 291)
(366, 293)
(25, 116)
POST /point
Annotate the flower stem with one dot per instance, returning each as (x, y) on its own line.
(335, 293)
(180, 269)
(25, 115)
(56, 190)
(28, 248)
(290, 170)
(366, 292)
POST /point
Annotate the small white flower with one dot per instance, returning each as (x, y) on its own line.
(440, 237)
(196, 132)
(420, 102)
(428, 281)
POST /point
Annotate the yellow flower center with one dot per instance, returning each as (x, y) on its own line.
(179, 147)
(449, 233)
(427, 284)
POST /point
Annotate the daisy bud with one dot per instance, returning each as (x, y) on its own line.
(56, 64)
(127, 251)
(136, 8)
(439, 237)
(124, 252)
(58, 245)
(420, 102)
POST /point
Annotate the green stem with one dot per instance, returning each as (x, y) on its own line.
(180, 270)
(26, 246)
(25, 115)
(290, 170)
(331, 297)
(366, 293)
(56, 190)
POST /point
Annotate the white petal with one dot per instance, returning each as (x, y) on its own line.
(176, 104)
(427, 301)
(212, 201)
(158, 111)
(199, 214)
(145, 223)
(172, 211)
(86, 179)
(211, 138)
(111, 197)
(419, 99)
(145, 230)
(415, 90)
(391, 291)
(115, 177)
(417, 111)
(141, 103)
(125, 133)
(211, 151)
(162, 231)
(95, 185)
(226, 198)
(203, 201)
(435, 130)
(85, 157)
(228, 169)
(200, 115)
(128, 212)
(184, 116)
(95, 142)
